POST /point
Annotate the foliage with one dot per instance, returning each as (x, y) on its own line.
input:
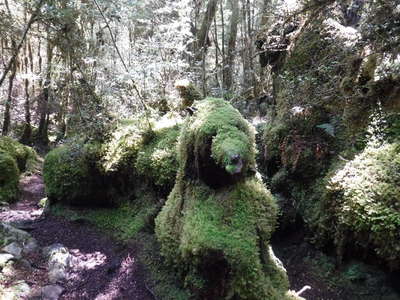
(9, 176)
(71, 175)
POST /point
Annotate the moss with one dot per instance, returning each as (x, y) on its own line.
(9, 176)
(216, 235)
(157, 161)
(71, 175)
(362, 200)
(188, 92)
(25, 156)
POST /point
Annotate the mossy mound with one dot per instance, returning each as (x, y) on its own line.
(157, 160)
(25, 156)
(362, 200)
(136, 153)
(72, 176)
(9, 176)
(216, 224)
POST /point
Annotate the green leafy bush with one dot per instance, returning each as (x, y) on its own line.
(72, 176)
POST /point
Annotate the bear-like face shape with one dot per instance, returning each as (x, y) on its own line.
(218, 144)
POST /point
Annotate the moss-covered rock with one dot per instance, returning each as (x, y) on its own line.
(362, 203)
(157, 160)
(217, 221)
(25, 156)
(9, 176)
(139, 154)
(72, 176)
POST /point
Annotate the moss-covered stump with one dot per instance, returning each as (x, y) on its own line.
(71, 175)
(216, 224)
(362, 204)
(9, 175)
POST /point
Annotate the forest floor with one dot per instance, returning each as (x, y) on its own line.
(105, 268)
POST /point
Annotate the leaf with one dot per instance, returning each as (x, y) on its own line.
(328, 128)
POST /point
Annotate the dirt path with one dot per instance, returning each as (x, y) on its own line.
(103, 269)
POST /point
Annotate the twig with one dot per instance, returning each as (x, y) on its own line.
(119, 53)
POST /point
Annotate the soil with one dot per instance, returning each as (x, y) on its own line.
(103, 269)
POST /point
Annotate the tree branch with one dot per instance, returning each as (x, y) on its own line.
(21, 42)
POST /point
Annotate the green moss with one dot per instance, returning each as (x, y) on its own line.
(25, 156)
(217, 237)
(9, 176)
(363, 200)
(71, 175)
(217, 123)
(156, 160)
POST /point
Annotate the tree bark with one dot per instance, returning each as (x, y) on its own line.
(11, 63)
(202, 34)
(7, 112)
(229, 61)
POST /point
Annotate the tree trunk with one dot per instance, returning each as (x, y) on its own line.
(7, 112)
(42, 137)
(202, 34)
(229, 61)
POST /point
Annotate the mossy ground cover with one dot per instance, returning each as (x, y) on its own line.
(15, 159)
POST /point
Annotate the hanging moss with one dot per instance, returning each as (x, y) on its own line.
(8, 178)
(216, 224)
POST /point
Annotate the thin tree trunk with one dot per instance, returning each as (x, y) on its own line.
(42, 137)
(202, 35)
(7, 112)
(11, 63)
(230, 58)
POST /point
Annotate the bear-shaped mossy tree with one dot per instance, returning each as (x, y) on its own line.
(216, 224)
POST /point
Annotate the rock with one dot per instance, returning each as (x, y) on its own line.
(5, 258)
(59, 261)
(52, 292)
(30, 246)
(14, 248)
(25, 264)
(13, 234)
(20, 290)
(23, 225)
